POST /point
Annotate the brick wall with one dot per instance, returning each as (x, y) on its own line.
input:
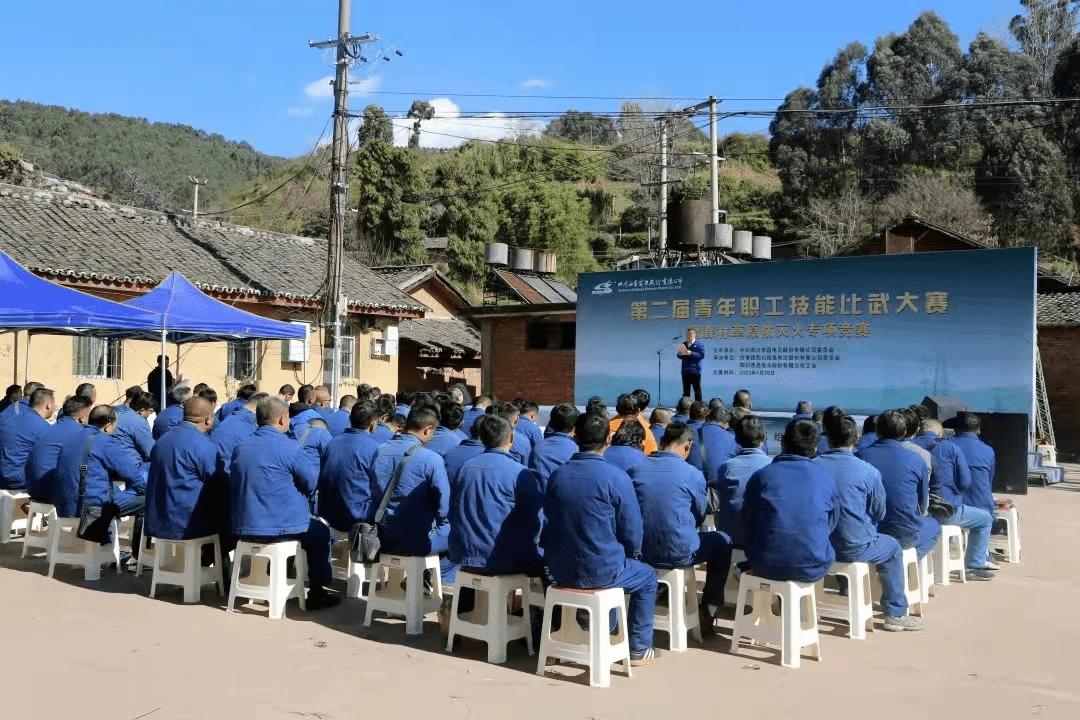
(544, 376)
(1059, 348)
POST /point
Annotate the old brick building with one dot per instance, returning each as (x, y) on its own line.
(1059, 343)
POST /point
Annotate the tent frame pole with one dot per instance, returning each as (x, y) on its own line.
(164, 369)
(26, 371)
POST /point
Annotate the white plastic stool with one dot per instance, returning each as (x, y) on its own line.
(794, 629)
(179, 562)
(681, 617)
(67, 548)
(536, 593)
(411, 602)
(490, 619)
(595, 648)
(950, 555)
(857, 609)
(270, 584)
(926, 570)
(8, 500)
(38, 518)
(144, 556)
(354, 574)
(1010, 543)
(731, 586)
(913, 581)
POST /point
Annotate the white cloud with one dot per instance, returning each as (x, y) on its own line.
(448, 129)
(320, 89)
(365, 86)
(299, 112)
(534, 83)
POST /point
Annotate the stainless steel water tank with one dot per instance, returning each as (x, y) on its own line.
(718, 236)
(544, 263)
(743, 242)
(693, 217)
(521, 259)
(762, 247)
(496, 254)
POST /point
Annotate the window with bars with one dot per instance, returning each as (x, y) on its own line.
(242, 360)
(98, 358)
(348, 352)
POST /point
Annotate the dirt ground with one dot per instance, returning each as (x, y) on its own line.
(104, 650)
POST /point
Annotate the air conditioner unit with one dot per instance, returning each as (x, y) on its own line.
(378, 348)
(297, 351)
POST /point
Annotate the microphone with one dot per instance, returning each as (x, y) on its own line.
(676, 338)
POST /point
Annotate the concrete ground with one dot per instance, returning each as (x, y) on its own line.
(1003, 649)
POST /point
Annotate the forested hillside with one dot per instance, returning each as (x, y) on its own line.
(130, 160)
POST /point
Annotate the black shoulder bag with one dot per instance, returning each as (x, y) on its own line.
(95, 522)
(364, 543)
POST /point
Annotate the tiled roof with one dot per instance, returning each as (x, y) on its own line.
(438, 336)
(68, 236)
(404, 277)
(1059, 310)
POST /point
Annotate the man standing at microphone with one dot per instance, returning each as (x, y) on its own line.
(691, 353)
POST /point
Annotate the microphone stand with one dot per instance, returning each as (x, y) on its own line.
(659, 355)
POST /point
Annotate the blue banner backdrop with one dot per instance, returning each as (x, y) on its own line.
(867, 333)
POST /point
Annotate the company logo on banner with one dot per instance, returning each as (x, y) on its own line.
(867, 333)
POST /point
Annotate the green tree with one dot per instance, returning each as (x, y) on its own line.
(582, 127)
(551, 217)
(1042, 30)
(388, 229)
(12, 171)
(420, 110)
(375, 124)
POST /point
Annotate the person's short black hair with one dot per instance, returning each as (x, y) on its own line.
(269, 408)
(626, 405)
(42, 395)
(476, 426)
(258, 397)
(495, 431)
(481, 402)
(843, 432)
(198, 389)
(969, 422)
(131, 392)
(15, 391)
(719, 414)
(563, 418)
(142, 401)
(85, 390)
(304, 393)
(74, 405)
(741, 399)
(683, 406)
(660, 416)
(801, 438)
(716, 402)
(420, 400)
(698, 411)
(286, 389)
(738, 413)
(363, 413)
(209, 393)
(30, 387)
(387, 408)
(421, 418)
(891, 425)
(676, 432)
(163, 357)
(509, 411)
(451, 414)
(630, 434)
(403, 397)
(869, 425)
(591, 432)
(803, 407)
(922, 411)
(643, 399)
(528, 406)
(246, 391)
(749, 432)
(346, 403)
(911, 419)
(817, 417)
(101, 416)
(397, 420)
(598, 409)
(831, 416)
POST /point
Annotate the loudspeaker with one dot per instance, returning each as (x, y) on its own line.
(944, 408)
(1007, 433)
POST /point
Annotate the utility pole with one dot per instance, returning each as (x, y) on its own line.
(714, 170)
(339, 191)
(662, 240)
(195, 207)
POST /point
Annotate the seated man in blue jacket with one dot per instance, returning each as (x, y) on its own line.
(22, 405)
(495, 505)
(699, 412)
(951, 480)
(625, 451)
(527, 423)
(726, 494)
(522, 449)
(184, 493)
(718, 444)
(270, 484)
(41, 467)
(417, 518)
(104, 466)
(133, 434)
(340, 420)
(345, 481)
(593, 532)
(658, 422)
(21, 433)
(804, 410)
(446, 436)
(227, 434)
(383, 432)
(790, 511)
(906, 479)
(861, 498)
(869, 433)
(466, 451)
(673, 503)
(479, 408)
(172, 415)
(559, 446)
(242, 396)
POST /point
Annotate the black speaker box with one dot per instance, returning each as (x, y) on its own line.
(1007, 433)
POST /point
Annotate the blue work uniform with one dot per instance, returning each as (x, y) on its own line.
(691, 364)
(865, 441)
(495, 505)
(382, 433)
(228, 435)
(658, 433)
(228, 409)
(981, 462)
(521, 449)
(907, 494)
(530, 430)
(41, 467)
(694, 458)
(717, 447)
(417, 518)
(952, 481)
(299, 423)
(624, 457)
(314, 441)
(592, 537)
(19, 436)
(789, 513)
(14, 410)
(338, 422)
(443, 441)
(460, 455)
(103, 465)
(345, 481)
(471, 416)
(183, 493)
(134, 437)
(550, 454)
(730, 487)
(167, 419)
(402, 410)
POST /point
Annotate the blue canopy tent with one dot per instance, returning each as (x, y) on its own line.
(42, 307)
(186, 314)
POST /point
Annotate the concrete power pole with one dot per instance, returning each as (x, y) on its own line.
(662, 240)
(714, 171)
(195, 206)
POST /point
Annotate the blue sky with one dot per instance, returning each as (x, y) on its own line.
(244, 70)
